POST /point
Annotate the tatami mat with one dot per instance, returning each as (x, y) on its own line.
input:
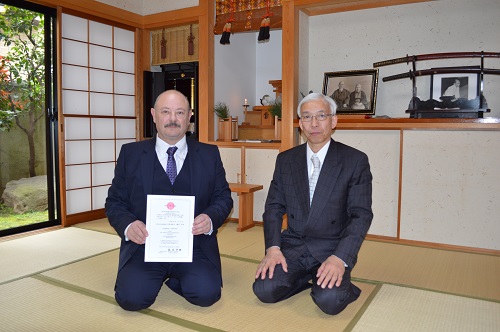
(63, 280)
(405, 309)
(474, 275)
(35, 306)
(248, 244)
(29, 255)
(99, 225)
(238, 309)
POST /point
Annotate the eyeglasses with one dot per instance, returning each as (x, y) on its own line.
(319, 117)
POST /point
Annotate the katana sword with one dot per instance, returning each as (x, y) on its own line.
(454, 70)
(434, 56)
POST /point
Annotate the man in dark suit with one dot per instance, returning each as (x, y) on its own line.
(197, 170)
(325, 189)
(358, 94)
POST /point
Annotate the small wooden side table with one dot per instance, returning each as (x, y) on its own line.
(245, 193)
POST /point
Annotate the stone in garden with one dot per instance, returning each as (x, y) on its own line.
(27, 194)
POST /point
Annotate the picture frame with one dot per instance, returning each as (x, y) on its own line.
(367, 79)
(469, 84)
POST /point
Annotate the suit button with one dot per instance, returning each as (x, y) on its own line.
(292, 216)
(333, 221)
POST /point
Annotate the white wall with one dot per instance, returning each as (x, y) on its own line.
(234, 67)
(244, 68)
(355, 40)
(268, 66)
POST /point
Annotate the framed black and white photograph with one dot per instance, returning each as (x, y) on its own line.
(354, 91)
(455, 86)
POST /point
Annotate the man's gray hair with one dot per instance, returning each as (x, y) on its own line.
(318, 96)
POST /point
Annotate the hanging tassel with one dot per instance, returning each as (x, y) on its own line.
(265, 25)
(190, 41)
(226, 33)
(163, 45)
(223, 36)
(262, 30)
(267, 29)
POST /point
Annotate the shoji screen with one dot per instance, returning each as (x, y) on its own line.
(98, 98)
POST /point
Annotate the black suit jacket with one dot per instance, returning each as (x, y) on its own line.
(340, 214)
(133, 181)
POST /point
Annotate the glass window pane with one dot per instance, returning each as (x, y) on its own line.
(103, 128)
(75, 78)
(101, 57)
(77, 176)
(124, 84)
(77, 128)
(103, 150)
(100, 34)
(124, 61)
(75, 102)
(124, 39)
(78, 201)
(101, 80)
(77, 152)
(124, 105)
(99, 195)
(74, 27)
(74, 52)
(125, 128)
(101, 104)
(102, 173)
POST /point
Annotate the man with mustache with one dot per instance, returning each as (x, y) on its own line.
(169, 164)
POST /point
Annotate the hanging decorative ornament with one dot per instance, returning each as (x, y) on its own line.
(264, 30)
(191, 41)
(163, 45)
(226, 32)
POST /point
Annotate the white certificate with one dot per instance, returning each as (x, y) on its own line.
(169, 221)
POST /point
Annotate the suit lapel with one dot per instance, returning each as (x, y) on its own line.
(299, 172)
(147, 165)
(194, 165)
(330, 172)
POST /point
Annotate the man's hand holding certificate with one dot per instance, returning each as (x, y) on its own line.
(169, 222)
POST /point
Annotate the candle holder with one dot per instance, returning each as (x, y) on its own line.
(245, 109)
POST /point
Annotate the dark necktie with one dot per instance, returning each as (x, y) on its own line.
(171, 167)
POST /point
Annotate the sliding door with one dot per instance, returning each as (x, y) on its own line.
(98, 111)
(28, 118)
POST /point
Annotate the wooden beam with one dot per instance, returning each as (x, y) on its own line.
(97, 9)
(206, 71)
(174, 18)
(290, 68)
(321, 7)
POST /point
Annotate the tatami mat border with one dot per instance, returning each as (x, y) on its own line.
(109, 299)
(363, 308)
(375, 282)
(56, 267)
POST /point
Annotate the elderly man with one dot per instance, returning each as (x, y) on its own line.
(358, 93)
(341, 96)
(325, 189)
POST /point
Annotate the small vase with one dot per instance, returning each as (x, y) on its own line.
(225, 131)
